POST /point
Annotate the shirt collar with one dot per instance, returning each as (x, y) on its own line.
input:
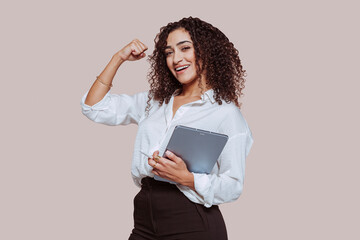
(207, 96)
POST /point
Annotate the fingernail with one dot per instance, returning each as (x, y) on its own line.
(168, 153)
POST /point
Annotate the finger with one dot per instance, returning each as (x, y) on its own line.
(164, 175)
(151, 162)
(154, 164)
(166, 163)
(156, 156)
(159, 173)
(155, 172)
(140, 56)
(139, 48)
(144, 47)
(172, 156)
(135, 51)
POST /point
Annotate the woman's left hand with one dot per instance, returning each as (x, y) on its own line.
(172, 168)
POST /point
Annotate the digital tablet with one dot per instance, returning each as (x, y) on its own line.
(199, 149)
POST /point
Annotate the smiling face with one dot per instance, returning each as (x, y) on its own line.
(180, 56)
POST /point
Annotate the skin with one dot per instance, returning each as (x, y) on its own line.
(173, 168)
(133, 51)
(180, 51)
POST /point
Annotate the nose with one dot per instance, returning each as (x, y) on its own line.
(177, 57)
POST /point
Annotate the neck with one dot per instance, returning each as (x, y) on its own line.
(193, 90)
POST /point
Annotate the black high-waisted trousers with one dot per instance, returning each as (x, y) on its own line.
(163, 212)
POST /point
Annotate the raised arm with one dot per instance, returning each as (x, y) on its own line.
(133, 51)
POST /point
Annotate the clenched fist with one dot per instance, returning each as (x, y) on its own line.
(135, 50)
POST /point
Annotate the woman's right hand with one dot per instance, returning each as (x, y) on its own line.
(135, 50)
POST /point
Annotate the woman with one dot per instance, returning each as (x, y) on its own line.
(195, 80)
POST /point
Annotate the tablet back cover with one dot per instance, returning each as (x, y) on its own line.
(198, 148)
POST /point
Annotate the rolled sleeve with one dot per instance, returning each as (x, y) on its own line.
(227, 184)
(116, 109)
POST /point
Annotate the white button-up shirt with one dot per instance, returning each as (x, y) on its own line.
(226, 180)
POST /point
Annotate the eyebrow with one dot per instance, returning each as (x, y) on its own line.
(179, 43)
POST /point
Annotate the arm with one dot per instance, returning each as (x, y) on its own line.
(172, 168)
(116, 109)
(112, 109)
(98, 89)
(227, 184)
(131, 52)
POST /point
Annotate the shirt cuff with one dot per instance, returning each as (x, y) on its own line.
(202, 185)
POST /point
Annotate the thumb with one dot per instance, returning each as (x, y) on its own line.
(140, 56)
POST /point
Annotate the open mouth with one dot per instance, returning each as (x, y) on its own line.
(179, 69)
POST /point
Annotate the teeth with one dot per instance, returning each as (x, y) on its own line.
(181, 68)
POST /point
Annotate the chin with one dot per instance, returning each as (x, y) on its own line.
(186, 81)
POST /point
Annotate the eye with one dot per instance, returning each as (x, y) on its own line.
(185, 48)
(168, 53)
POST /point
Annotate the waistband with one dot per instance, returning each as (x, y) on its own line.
(149, 181)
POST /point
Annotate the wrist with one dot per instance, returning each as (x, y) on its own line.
(117, 59)
(189, 181)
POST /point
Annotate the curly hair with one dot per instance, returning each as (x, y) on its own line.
(218, 56)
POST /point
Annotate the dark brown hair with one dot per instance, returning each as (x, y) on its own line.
(220, 60)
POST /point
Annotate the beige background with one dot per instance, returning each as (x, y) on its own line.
(65, 177)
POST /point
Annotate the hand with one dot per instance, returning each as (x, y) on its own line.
(135, 50)
(172, 168)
